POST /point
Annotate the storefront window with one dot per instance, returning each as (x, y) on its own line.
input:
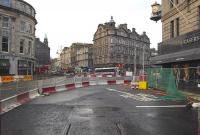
(24, 67)
(4, 67)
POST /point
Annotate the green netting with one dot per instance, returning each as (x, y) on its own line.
(164, 79)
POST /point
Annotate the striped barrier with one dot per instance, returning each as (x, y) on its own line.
(111, 82)
(79, 84)
(85, 84)
(17, 100)
(49, 90)
(70, 86)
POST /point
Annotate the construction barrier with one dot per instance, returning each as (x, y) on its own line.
(164, 79)
(28, 78)
(7, 79)
(17, 100)
(143, 85)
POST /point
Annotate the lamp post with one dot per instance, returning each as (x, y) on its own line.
(143, 63)
(135, 58)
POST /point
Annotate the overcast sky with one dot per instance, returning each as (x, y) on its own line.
(69, 21)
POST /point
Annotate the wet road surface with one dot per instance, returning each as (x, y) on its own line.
(99, 110)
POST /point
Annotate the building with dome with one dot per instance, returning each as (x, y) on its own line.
(17, 37)
(120, 47)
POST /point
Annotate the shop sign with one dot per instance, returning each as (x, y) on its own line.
(184, 42)
(191, 40)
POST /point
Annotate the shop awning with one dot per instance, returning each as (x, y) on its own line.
(4, 63)
(187, 55)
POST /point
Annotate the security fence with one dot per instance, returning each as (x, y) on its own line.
(174, 79)
(188, 78)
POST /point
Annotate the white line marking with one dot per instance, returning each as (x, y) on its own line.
(139, 97)
(167, 106)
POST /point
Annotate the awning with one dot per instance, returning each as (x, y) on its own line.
(187, 55)
(4, 63)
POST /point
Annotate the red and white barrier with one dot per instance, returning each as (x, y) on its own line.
(86, 83)
(17, 100)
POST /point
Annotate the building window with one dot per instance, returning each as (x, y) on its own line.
(177, 2)
(177, 26)
(30, 28)
(23, 26)
(171, 3)
(29, 47)
(172, 29)
(21, 48)
(5, 23)
(5, 44)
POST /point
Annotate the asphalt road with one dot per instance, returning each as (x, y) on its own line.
(100, 110)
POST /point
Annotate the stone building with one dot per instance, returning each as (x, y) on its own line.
(65, 58)
(42, 54)
(74, 48)
(180, 46)
(181, 34)
(17, 36)
(84, 49)
(84, 56)
(115, 46)
(76, 56)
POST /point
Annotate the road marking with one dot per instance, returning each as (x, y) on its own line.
(167, 106)
(139, 97)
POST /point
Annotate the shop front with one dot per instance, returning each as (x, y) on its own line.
(24, 67)
(183, 55)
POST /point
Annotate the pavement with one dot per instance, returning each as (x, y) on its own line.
(193, 96)
(101, 110)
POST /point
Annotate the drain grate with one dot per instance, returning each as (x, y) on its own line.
(120, 129)
(67, 129)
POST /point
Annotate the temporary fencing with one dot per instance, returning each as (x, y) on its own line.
(164, 79)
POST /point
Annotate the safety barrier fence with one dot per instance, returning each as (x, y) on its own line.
(53, 85)
(8, 79)
(184, 78)
(174, 80)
